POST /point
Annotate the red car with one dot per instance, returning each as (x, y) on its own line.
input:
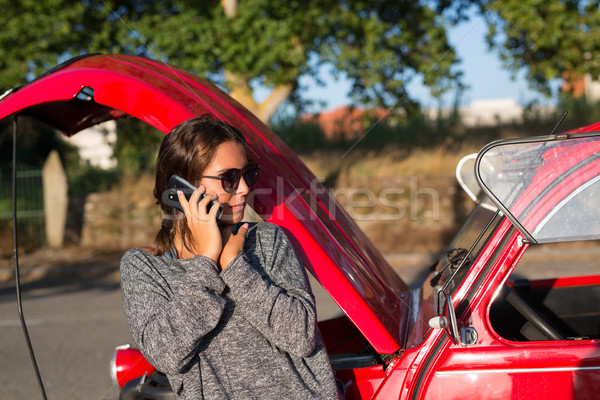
(469, 332)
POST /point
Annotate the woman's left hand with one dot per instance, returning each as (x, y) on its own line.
(232, 244)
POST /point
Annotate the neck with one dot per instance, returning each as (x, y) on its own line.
(182, 251)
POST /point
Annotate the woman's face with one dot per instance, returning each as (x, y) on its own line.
(227, 156)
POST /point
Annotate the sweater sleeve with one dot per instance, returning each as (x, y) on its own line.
(276, 299)
(169, 321)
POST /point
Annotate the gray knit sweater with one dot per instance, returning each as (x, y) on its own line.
(248, 332)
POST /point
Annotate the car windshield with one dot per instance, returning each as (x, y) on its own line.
(464, 249)
(548, 187)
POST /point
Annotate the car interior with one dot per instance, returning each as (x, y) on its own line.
(561, 307)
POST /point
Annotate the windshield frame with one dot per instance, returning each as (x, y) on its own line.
(476, 232)
(543, 140)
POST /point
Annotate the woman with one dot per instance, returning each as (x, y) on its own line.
(223, 314)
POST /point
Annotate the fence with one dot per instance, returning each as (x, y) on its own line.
(30, 210)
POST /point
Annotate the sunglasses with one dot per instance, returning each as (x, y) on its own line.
(230, 179)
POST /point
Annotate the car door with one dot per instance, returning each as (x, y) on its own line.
(537, 337)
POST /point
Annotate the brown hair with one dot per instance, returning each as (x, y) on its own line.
(186, 151)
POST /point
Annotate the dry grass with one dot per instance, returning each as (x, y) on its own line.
(388, 163)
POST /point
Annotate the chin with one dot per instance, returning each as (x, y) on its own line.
(228, 219)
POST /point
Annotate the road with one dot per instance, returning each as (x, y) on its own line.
(74, 327)
(76, 323)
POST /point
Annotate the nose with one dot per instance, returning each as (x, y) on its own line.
(243, 188)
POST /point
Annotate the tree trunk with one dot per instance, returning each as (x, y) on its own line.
(239, 86)
(573, 84)
(230, 7)
(240, 90)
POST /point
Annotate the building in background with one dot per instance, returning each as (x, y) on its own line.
(491, 112)
(95, 145)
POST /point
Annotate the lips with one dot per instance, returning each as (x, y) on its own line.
(238, 207)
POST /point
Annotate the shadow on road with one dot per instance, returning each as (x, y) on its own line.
(50, 287)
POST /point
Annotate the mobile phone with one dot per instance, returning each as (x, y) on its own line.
(178, 183)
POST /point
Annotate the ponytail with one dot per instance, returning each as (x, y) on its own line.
(164, 237)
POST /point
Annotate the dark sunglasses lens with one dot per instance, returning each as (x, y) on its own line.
(231, 179)
(251, 175)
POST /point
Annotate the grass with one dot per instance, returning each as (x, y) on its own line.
(337, 170)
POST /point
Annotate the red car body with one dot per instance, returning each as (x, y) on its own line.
(385, 346)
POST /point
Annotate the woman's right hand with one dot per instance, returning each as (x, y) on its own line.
(205, 234)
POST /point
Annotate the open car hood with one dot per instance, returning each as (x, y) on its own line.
(89, 90)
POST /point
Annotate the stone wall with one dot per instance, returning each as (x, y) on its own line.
(122, 218)
(407, 214)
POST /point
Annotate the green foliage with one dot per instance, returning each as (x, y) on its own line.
(300, 137)
(537, 121)
(381, 46)
(34, 142)
(37, 35)
(137, 146)
(30, 206)
(86, 180)
(548, 38)
(580, 112)
(406, 133)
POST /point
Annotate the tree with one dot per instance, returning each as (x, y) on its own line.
(382, 46)
(137, 146)
(35, 141)
(37, 35)
(549, 39)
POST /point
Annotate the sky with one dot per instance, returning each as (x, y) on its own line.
(483, 73)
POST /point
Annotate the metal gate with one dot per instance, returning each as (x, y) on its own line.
(30, 210)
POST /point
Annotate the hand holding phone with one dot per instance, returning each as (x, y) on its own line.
(178, 183)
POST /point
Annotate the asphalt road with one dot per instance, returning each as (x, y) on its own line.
(74, 327)
(75, 324)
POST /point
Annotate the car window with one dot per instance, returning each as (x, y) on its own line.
(560, 284)
(576, 216)
(472, 236)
